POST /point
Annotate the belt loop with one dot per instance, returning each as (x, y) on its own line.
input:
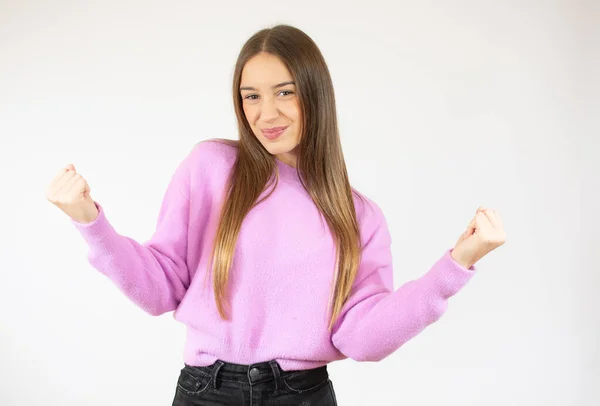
(215, 371)
(276, 372)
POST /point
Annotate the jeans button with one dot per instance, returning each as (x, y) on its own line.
(254, 373)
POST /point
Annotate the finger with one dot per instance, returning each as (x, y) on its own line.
(78, 180)
(493, 218)
(58, 175)
(482, 221)
(498, 219)
(67, 169)
(67, 185)
(472, 226)
(61, 181)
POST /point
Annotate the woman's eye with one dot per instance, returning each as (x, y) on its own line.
(255, 96)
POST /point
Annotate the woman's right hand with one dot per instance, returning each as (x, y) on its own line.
(70, 192)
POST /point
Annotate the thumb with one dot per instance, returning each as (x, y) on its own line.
(474, 223)
(471, 227)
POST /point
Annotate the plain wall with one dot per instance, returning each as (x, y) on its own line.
(443, 107)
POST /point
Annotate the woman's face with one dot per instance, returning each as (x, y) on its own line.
(271, 105)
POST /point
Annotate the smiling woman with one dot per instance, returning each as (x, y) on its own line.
(285, 105)
(300, 263)
(271, 106)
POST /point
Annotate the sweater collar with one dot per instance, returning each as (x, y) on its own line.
(287, 172)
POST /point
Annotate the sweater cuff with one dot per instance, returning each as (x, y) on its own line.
(448, 276)
(97, 231)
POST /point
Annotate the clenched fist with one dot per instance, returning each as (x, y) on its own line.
(70, 192)
(484, 234)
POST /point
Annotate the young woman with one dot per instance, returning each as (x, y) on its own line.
(276, 265)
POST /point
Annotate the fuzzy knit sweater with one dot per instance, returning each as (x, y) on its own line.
(281, 278)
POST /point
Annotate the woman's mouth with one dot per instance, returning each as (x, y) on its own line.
(273, 133)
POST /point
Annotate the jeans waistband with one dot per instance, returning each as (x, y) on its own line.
(252, 374)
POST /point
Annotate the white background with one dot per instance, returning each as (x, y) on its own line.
(443, 107)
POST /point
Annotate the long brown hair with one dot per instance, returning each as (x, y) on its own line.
(320, 164)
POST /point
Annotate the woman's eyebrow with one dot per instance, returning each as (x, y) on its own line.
(274, 87)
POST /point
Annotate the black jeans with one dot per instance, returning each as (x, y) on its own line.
(261, 384)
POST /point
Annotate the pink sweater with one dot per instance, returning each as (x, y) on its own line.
(281, 277)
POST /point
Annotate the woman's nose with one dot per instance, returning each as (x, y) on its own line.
(269, 110)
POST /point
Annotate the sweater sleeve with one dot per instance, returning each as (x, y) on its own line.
(376, 320)
(154, 275)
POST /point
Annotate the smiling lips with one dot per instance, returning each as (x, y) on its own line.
(272, 133)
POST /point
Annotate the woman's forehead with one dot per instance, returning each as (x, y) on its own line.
(264, 71)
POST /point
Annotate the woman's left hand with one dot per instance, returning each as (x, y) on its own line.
(484, 234)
